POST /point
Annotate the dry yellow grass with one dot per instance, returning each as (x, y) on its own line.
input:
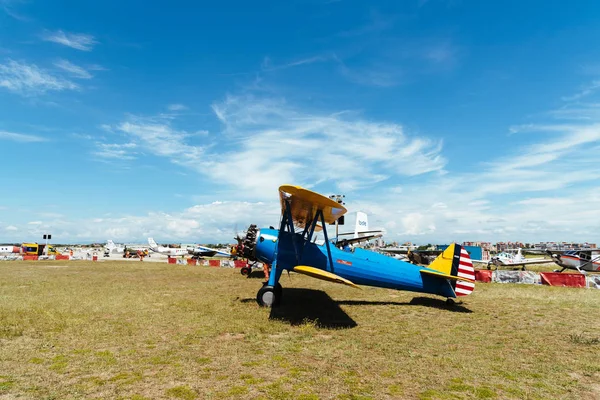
(145, 330)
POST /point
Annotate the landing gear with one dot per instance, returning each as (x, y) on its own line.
(245, 271)
(269, 296)
(450, 302)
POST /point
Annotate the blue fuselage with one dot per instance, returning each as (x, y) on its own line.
(363, 267)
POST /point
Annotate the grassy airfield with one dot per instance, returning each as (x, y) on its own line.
(147, 330)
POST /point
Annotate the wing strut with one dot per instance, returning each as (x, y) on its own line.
(287, 221)
(320, 213)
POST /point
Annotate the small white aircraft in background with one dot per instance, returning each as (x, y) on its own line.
(9, 249)
(112, 248)
(197, 251)
(505, 259)
(166, 250)
(202, 251)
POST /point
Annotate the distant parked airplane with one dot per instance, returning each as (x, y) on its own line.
(203, 251)
(166, 250)
(580, 260)
(505, 259)
(9, 249)
(112, 248)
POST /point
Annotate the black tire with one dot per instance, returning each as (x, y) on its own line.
(450, 302)
(268, 296)
(245, 271)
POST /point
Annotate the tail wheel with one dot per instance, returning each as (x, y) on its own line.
(245, 271)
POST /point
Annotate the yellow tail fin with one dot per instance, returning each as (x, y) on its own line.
(455, 261)
(443, 262)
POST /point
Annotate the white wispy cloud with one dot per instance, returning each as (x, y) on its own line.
(9, 8)
(116, 151)
(278, 143)
(378, 74)
(79, 41)
(29, 79)
(585, 91)
(207, 222)
(21, 137)
(543, 189)
(158, 137)
(273, 142)
(11, 228)
(74, 70)
(268, 65)
(176, 107)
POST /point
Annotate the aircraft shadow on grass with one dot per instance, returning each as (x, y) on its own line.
(417, 301)
(256, 275)
(299, 306)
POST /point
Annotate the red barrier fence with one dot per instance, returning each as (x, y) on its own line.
(214, 263)
(559, 279)
(30, 258)
(62, 257)
(191, 261)
(483, 275)
(240, 263)
(172, 260)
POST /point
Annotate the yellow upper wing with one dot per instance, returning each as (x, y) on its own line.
(305, 203)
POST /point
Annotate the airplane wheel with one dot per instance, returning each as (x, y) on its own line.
(450, 302)
(245, 271)
(269, 296)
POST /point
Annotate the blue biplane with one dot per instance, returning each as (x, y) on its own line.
(290, 248)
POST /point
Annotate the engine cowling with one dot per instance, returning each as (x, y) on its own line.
(246, 247)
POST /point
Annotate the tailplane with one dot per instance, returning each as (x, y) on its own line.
(455, 261)
(110, 244)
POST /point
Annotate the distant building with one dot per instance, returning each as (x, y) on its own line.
(484, 245)
(475, 252)
(563, 246)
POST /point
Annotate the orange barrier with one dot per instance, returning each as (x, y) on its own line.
(214, 263)
(559, 279)
(62, 257)
(240, 264)
(483, 275)
(172, 260)
(191, 261)
(30, 258)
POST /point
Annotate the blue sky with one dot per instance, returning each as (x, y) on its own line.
(444, 120)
